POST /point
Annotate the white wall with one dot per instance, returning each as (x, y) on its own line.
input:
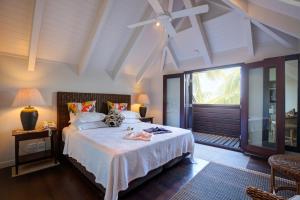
(49, 78)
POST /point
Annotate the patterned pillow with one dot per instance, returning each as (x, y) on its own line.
(114, 118)
(74, 107)
(117, 106)
(87, 106)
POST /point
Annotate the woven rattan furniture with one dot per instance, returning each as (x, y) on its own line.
(287, 165)
(258, 194)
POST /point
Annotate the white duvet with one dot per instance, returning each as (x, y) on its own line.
(116, 161)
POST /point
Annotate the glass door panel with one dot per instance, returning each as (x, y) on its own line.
(173, 102)
(262, 107)
(262, 115)
(291, 103)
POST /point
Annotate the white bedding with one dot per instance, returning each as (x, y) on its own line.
(116, 161)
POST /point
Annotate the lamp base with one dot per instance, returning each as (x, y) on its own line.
(143, 111)
(29, 116)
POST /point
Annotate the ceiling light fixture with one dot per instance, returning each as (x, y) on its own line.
(157, 24)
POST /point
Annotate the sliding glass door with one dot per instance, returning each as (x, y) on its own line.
(291, 73)
(173, 101)
(262, 107)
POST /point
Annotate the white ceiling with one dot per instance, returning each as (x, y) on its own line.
(67, 27)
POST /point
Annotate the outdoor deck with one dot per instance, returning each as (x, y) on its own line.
(232, 143)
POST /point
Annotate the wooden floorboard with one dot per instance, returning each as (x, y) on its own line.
(218, 140)
(64, 182)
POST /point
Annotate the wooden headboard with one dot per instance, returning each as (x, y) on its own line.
(101, 106)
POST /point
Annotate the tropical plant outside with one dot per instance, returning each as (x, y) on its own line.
(220, 86)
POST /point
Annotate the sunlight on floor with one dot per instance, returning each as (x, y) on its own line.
(221, 156)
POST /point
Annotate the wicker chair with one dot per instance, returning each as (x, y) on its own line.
(258, 194)
(289, 166)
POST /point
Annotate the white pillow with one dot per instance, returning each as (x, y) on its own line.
(130, 114)
(72, 117)
(130, 121)
(89, 125)
(84, 117)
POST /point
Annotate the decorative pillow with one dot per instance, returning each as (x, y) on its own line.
(114, 118)
(130, 114)
(87, 106)
(74, 107)
(117, 106)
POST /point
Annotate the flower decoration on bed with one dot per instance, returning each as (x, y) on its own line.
(117, 106)
(114, 118)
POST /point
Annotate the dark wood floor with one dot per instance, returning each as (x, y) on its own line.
(232, 143)
(64, 182)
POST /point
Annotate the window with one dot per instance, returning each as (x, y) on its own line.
(219, 86)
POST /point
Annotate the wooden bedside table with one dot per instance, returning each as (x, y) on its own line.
(21, 135)
(147, 119)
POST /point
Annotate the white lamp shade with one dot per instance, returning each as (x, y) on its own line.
(143, 99)
(28, 97)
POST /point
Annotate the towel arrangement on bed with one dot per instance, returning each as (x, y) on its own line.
(157, 130)
(139, 136)
(146, 134)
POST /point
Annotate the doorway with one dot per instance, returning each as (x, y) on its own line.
(215, 99)
(173, 100)
(291, 122)
(263, 107)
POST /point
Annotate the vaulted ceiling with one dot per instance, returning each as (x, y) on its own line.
(93, 34)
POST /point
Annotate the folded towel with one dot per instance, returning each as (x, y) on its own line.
(157, 130)
(144, 136)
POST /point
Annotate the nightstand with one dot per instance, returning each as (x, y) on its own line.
(21, 135)
(147, 119)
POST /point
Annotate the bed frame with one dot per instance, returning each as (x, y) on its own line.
(101, 106)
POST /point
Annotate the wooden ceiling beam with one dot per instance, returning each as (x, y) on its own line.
(275, 35)
(129, 46)
(149, 61)
(249, 36)
(273, 19)
(163, 59)
(198, 26)
(102, 15)
(219, 4)
(170, 52)
(37, 19)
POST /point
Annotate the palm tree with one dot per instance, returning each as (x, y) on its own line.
(229, 89)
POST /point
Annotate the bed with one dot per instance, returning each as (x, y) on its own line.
(113, 164)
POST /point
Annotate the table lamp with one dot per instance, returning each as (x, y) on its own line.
(28, 98)
(143, 99)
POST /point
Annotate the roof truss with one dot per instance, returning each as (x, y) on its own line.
(95, 33)
(249, 36)
(267, 17)
(35, 33)
(198, 26)
(128, 48)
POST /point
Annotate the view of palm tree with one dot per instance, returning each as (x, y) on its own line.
(220, 86)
